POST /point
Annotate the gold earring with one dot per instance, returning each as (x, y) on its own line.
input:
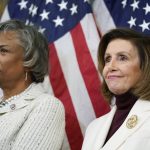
(26, 76)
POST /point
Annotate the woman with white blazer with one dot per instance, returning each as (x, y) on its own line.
(124, 57)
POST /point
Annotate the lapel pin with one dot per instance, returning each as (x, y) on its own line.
(132, 121)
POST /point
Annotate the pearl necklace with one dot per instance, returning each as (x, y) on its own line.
(7, 101)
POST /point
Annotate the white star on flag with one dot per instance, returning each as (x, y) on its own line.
(147, 9)
(132, 22)
(44, 15)
(135, 5)
(29, 22)
(73, 9)
(63, 5)
(124, 3)
(33, 10)
(144, 25)
(41, 30)
(23, 4)
(49, 1)
(30, 9)
(58, 21)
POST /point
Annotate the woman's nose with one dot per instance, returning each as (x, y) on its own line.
(112, 65)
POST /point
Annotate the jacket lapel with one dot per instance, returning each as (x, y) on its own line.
(103, 130)
(141, 111)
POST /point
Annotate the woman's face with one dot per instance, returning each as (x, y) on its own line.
(11, 59)
(122, 66)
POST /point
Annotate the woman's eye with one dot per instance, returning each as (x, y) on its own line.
(123, 57)
(107, 59)
(3, 51)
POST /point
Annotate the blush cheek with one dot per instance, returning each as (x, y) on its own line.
(104, 73)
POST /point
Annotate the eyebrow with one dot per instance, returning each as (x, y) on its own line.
(2, 46)
(122, 52)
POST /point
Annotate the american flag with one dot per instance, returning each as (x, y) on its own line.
(133, 14)
(73, 42)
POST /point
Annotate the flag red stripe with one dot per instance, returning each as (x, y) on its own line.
(60, 89)
(89, 72)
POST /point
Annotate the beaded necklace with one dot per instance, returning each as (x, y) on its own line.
(7, 101)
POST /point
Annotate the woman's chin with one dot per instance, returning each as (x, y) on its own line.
(117, 91)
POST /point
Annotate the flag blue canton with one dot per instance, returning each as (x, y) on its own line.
(130, 13)
(53, 17)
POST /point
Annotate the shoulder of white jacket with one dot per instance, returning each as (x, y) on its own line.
(97, 122)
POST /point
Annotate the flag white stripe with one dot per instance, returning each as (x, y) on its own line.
(5, 15)
(103, 18)
(74, 80)
(91, 35)
(65, 145)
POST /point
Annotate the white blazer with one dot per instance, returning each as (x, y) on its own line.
(33, 121)
(136, 138)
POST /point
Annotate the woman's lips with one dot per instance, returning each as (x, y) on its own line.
(113, 77)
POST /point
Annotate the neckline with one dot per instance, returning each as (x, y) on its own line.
(125, 101)
(14, 97)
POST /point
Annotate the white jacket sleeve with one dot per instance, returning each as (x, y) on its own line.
(44, 128)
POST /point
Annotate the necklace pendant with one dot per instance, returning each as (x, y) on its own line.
(12, 106)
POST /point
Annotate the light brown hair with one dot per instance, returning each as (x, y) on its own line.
(142, 45)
